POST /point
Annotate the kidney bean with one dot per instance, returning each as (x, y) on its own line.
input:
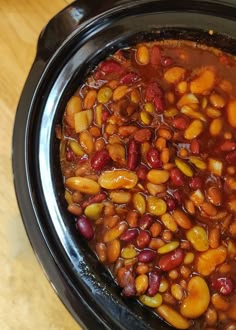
(223, 285)
(155, 55)
(146, 221)
(141, 172)
(143, 239)
(153, 158)
(146, 256)
(177, 177)
(195, 183)
(129, 290)
(111, 66)
(181, 122)
(133, 155)
(129, 235)
(70, 155)
(154, 283)
(228, 146)
(153, 90)
(142, 135)
(85, 227)
(159, 103)
(178, 197)
(171, 204)
(171, 260)
(100, 159)
(195, 147)
(94, 199)
(129, 78)
(231, 158)
(166, 61)
(105, 115)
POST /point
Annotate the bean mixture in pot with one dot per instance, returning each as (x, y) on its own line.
(148, 156)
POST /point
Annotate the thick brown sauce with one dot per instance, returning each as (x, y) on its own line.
(194, 58)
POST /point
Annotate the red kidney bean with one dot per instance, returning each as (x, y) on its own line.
(153, 90)
(228, 146)
(231, 158)
(155, 55)
(129, 235)
(133, 155)
(111, 66)
(195, 183)
(100, 159)
(146, 221)
(166, 61)
(154, 280)
(177, 177)
(178, 197)
(129, 78)
(146, 256)
(159, 103)
(129, 290)
(171, 204)
(153, 158)
(85, 227)
(141, 172)
(171, 260)
(70, 155)
(142, 135)
(94, 199)
(223, 285)
(195, 147)
(105, 115)
(143, 239)
(181, 122)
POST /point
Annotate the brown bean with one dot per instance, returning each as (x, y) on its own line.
(126, 131)
(155, 229)
(142, 135)
(101, 250)
(113, 250)
(75, 209)
(214, 238)
(111, 221)
(142, 269)
(132, 219)
(182, 219)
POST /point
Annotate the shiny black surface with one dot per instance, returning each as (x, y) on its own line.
(69, 47)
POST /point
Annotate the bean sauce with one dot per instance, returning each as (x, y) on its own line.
(148, 156)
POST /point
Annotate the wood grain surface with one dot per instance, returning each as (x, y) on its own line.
(27, 300)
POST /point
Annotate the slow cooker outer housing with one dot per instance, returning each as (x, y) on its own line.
(69, 47)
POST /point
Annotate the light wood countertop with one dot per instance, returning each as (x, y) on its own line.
(27, 300)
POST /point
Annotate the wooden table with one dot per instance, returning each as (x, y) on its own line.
(27, 300)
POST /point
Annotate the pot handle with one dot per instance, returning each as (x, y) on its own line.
(66, 21)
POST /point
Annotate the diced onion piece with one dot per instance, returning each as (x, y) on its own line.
(215, 166)
(197, 197)
(83, 120)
